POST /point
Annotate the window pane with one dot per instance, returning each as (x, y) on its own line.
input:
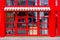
(30, 14)
(7, 25)
(12, 20)
(32, 17)
(10, 31)
(21, 25)
(43, 25)
(44, 32)
(10, 2)
(43, 19)
(7, 19)
(21, 20)
(46, 13)
(21, 31)
(21, 14)
(21, 2)
(32, 2)
(12, 14)
(8, 14)
(43, 2)
(43, 16)
(10, 25)
(32, 32)
(30, 20)
(30, 25)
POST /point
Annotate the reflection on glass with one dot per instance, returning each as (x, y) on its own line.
(30, 20)
(46, 13)
(10, 2)
(43, 25)
(10, 31)
(43, 32)
(21, 14)
(43, 2)
(32, 2)
(43, 16)
(12, 14)
(12, 20)
(21, 25)
(7, 25)
(32, 25)
(30, 13)
(21, 2)
(10, 25)
(7, 19)
(21, 31)
(8, 14)
(32, 17)
(21, 20)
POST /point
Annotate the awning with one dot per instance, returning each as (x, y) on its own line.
(27, 9)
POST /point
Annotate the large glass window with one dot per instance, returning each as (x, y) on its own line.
(10, 2)
(21, 23)
(43, 2)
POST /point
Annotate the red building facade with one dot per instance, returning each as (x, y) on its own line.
(30, 18)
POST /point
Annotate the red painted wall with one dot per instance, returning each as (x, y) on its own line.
(52, 19)
(58, 31)
(2, 18)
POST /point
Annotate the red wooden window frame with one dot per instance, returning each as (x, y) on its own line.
(27, 29)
